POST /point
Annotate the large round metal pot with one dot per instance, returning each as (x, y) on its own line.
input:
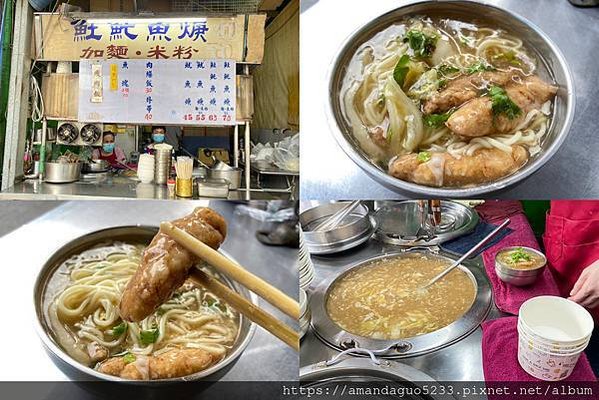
(334, 336)
(62, 172)
(551, 59)
(129, 234)
(233, 176)
(387, 373)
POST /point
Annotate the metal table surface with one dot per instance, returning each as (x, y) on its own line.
(27, 248)
(110, 188)
(442, 365)
(328, 173)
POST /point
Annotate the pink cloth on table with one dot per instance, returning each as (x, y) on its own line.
(500, 355)
(509, 298)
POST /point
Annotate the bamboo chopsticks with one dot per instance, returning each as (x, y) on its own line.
(247, 308)
(234, 271)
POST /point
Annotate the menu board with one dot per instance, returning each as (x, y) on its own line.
(177, 92)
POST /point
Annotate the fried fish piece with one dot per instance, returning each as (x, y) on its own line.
(444, 170)
(466, 88)
(476, 118)
(172, 364)
(165, 264)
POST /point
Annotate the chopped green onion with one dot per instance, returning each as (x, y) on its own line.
(422, 44)
(119, 329)
(436, 120)
(129, 358)
(423, 156)
(479, 66)
(149, 336)
(519, 255)
(502, 104)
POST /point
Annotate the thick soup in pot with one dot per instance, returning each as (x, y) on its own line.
(383, 299)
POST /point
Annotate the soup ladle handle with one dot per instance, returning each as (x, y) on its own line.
(466, 255)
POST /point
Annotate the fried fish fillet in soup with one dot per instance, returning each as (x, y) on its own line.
(129, 310)
(461, 97)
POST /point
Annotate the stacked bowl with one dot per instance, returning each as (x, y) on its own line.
(552, 333)
(306, 268)
(145, 168)
(162, 163)
(305, 314)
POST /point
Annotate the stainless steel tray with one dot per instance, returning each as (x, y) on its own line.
(396, 223)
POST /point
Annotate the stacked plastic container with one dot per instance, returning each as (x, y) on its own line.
(552, 334)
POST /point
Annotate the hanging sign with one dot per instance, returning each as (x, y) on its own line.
(198, 92)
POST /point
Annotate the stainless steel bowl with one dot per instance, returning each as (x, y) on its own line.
(519, 277)
(62, 172)
(231, 175)
(96, 166)
(534, 39)
(337, 338)
(130, 234)
(354, 230)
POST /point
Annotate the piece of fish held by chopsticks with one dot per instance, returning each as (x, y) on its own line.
(165, 264)
(485, 165)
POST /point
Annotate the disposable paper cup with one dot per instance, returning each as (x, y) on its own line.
(550, 346)
(556, 320)
(552, 332)
(545, 366)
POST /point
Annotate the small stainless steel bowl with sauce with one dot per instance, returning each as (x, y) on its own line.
(519, 266)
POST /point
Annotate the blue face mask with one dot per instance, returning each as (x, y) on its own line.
(108, 147)
(158, 137)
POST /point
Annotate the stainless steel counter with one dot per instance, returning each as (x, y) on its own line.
(112, 187)
(328, 173)
(27, 248)
(443, 365)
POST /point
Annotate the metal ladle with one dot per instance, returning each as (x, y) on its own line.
(473, 250)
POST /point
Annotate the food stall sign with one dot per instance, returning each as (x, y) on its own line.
(180, 92)
(240, 38)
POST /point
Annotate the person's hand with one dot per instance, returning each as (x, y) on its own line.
(586, 290)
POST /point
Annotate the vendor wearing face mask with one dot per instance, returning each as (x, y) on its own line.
(158, 137)
(109, 152)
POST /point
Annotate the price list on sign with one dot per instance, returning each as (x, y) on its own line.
(179, 92)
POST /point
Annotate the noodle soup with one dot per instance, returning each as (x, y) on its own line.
(82, 307)
(447, 103)
(382, 300)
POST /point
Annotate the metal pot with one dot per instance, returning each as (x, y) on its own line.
(62, 172)
(335, 337)
(550, 57)
(232, 175)
(353, 231)
(48, 278)
(96, 166)
(384, 372)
